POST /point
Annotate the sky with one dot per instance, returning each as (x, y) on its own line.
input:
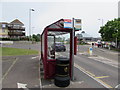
(47, 12)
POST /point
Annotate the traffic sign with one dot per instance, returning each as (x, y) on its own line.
(67, 23)
(77, 24)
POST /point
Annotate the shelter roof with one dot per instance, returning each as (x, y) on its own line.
(58, 24)
(57, 28)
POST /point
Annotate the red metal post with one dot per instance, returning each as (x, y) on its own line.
(75, 45)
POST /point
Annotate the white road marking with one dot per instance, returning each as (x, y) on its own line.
(21, 85)
(34, 57)
(117, 86)
(96, 79)
(77, 82)
(9, 69)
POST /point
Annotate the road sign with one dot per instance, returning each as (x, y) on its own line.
(67, 23)
(77, 24)
(90, 49)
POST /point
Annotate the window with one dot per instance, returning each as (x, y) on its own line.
(51, 51)
(58, 45)
(3, 25)
(3, 30)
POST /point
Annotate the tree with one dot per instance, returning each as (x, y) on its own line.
(36, 37)
(111, 30)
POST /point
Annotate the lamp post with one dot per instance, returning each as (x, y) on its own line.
(32, 33)
(73, 35)
(102, 21)
(30, 10)
(116, 39)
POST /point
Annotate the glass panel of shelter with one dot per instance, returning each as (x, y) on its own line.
(58, 45)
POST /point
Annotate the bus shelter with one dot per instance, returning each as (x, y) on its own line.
(48, 54)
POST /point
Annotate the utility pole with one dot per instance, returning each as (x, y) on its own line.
(116, 40)
(102, 21)
(73, 35)
(30, 25)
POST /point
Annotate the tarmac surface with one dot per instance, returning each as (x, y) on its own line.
(26, 70)
(20, 69)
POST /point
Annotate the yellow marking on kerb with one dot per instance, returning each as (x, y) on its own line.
(102, 77)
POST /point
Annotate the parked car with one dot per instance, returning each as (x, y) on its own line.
(98, 44)
(59, 46)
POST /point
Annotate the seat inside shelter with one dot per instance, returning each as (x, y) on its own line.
(56, 41)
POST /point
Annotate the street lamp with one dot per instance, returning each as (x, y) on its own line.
(116, 39)
(32, 33)
(102, 21)
(30, 10)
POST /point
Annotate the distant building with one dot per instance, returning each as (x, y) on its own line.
(4, 30)
(14, 29)
(84, 36)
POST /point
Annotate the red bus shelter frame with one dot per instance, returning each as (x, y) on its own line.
(49, 64)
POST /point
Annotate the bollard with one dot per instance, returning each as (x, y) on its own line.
(90, 50)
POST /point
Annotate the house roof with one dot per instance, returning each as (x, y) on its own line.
(3, 23)
(16, 21)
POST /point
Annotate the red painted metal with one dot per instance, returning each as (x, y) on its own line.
(75, 45)
(70, 72)
(49, 64)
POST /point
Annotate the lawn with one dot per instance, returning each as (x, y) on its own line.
(16, 51)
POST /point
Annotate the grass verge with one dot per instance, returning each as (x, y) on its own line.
(17, 51)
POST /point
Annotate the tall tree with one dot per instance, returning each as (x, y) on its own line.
(111, 30)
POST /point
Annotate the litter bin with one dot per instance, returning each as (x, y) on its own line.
(62, 78)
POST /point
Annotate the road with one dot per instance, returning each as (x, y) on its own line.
(101, 66)
(113, 55)
(24, 45)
